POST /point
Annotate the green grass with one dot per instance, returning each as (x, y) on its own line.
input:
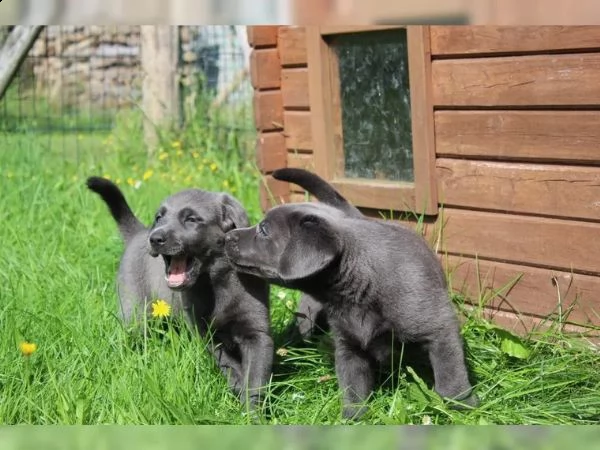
(60, 251)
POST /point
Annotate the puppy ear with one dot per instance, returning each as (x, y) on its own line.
(233, 215)
(311, 248)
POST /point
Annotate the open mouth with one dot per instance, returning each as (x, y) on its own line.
(180, 270)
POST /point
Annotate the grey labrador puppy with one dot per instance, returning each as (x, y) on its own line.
(379, 283)
(194, 276)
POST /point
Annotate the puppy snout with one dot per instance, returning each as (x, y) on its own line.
(158, 238)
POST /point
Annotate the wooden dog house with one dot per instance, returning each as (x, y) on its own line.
(493, 132)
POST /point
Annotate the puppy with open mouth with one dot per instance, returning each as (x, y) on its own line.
(378, 282)
(181, 260)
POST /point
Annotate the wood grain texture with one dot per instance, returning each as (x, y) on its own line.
(551, 243)
(268, 110)
(423, 135)
(262, 35)
(526, 290)
(527, 81)
(292, 46)
(550, 190)
(480, 40)
(273, 192)
(265, 70)
(384, 195)
(298, 130)
(271, 153)
(294, 88)
(553, 136)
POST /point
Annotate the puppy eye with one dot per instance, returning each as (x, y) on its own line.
(193, 219)
(263, 229)
(157, 217)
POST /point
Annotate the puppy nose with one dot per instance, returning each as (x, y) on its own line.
(158, 239)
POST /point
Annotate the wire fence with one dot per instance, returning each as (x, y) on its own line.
(78, 79)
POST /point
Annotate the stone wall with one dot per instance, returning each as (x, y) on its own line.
(99, 66)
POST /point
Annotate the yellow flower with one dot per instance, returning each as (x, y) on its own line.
(225, 184)
(161, 309)
(195, 155)
(130, 181)
(106, 176)
(213, 167)
(118, 181)
(179, 153)
(147, 174)
(163, 156)
(282, 351)
(176, 144)
(27, 348)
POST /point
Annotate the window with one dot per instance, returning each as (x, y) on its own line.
(371, 113)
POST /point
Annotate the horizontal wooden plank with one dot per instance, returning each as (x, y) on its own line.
(474, 40)
(551, 243)
(273, 192)
(550, 190)
(348, 29)
(265, 71)
(294, 88)
(271, 153)
(301, 161)
(378, 194)
(554, 136)
(292, 46)
(298, 130)
(526, 290)
(534, 81)
(268, 110)
(296, 197)
(262, 35)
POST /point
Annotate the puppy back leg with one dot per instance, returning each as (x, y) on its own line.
(257, 361)
(355, 375)
(449, 368)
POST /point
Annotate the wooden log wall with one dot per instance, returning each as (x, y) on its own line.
(517, 114)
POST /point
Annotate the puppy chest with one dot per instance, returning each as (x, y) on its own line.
(363, 328)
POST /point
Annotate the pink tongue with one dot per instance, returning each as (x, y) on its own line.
(177, 270)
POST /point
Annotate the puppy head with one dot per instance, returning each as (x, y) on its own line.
(189, 230)
(291, 243)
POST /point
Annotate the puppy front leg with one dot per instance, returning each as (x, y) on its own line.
(230, 367)
(257, 361)
(355, 375)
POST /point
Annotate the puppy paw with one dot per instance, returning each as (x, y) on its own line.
(353, 412)
(468, 402)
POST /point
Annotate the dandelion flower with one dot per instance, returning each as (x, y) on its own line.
(176, 144)
(161, 309)
(118, 181)
(195, 155)
(179, 153)
(213, 167)
(130, 181)
(225, 184)
(27, 348)
(163, 156)
(147, 174)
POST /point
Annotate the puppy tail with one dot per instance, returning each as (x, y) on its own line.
(318, 187)
(129, 225)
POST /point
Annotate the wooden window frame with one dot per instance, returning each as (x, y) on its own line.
(419, 196)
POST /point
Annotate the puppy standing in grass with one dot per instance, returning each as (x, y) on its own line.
(194, 275)
(378, 282)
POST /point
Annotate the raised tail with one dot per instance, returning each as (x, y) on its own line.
(318, 187)
(129, 225)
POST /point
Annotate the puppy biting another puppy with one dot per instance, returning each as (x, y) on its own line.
(194, 276)
(378, 282)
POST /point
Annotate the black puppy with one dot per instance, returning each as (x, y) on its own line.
(194, 275)
(379, 283)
